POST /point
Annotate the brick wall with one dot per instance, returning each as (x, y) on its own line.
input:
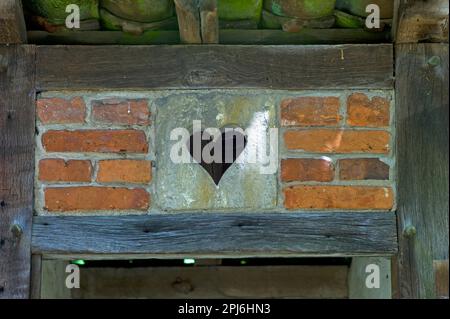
(93, 155)
(104, 153)
(338, 152)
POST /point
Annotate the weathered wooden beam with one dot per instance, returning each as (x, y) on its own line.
(215, 66)
(12, 23)
(189, 22)
(214, 235)
(422, 21)
(17, 87)
(422, 115)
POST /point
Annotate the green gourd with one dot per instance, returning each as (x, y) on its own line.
(239, 9)
(54, 11)
(140, 10)
(304, 9)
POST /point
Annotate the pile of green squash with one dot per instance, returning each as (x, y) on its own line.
(137, 16)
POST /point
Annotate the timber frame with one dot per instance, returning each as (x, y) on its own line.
(420, 250)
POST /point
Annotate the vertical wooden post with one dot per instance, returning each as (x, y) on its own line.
(189, 21)
(16, 168)
(209, 21)
(17, 95)
(422, 108)
(36, 277)
(422, 20)
(198, 21)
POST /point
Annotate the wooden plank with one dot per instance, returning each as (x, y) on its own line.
(12, 22)
(209, 21)
(214, 235)
(54, 280)
(189, 21)
(214, 66)
(422, 114)
(441, 276)
(36, 276)
(213, 282)
(16, 168)
(422, 20)
(360, 269)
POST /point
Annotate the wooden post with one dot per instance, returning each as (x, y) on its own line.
(422, 20)
(209, 21)
(189, 21)
(17, 95)
(198, 21)
(16, 168)
(423, 163)
(36, 277)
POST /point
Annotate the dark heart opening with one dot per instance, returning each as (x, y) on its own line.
(224, 151)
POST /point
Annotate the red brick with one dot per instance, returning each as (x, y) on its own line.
(59, 170)
(363, 169)
(337, 141)
(131, 171)
(61, 111)
(310, 111)
(129, 112)
(338, 197)
(101, 141)
(365, 112)
(89, 198)
(302, 169)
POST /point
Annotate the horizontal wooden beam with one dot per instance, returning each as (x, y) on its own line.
(215, 66)
(212, 235)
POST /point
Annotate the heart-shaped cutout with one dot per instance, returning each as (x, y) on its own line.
(216, 155)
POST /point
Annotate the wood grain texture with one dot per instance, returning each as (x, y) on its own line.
(17, 120)
(358, 273)
(213, 282)
(36, 277)
(209, 21)
(214, 66)
(54, 276)
(211, 235)
(422, 114)
(189, 22)
(12, 22)
(422, 20)
(441, 276)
